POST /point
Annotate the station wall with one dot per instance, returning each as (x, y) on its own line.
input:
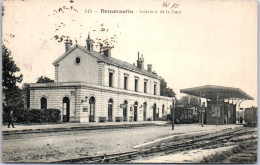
(80, 103)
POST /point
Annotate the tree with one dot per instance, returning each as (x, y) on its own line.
(44, 79)
(11, 92)
(189, 101)
(166, 91)
(26, 94)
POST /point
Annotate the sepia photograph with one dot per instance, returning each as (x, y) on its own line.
(111, 81)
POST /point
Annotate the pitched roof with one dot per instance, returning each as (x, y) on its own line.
(209, 92)
(109, 60)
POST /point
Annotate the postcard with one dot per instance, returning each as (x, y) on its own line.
(110, 81)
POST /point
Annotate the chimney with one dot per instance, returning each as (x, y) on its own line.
(107, 51)
(149, 68)
(90, 44)
(140, 62)
(67, 45)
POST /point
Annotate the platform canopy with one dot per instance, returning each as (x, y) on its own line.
(212, 92)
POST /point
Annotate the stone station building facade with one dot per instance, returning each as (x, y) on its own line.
(92, 86)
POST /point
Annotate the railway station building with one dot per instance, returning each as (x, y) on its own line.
(93, 86)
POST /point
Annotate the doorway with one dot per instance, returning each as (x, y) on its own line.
(135, 111)
(144, 111)
(66, 109)
(154, 113)
(125, 111)
(92, 109)
(110, 110)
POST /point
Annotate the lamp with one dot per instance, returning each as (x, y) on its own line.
(84, 100)
(72, 92)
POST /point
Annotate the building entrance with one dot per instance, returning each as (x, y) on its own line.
(125, 111)
(135, 111)
(144, 111)
(66, 109)
(110, 110)
(92, 109)
(155, 114)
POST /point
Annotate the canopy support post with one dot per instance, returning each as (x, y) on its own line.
(217, 106)
(201, 113)
(227, 109)
(173, 107)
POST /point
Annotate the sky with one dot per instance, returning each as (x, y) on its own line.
(203, 42)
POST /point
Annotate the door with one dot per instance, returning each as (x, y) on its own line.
(92, 109)
(144, 112)
(110, 113)
(110, 110)
(154, 113)
(241, 120)
(135, 113)
(125, 111)
(125, 114)
(43, 103)
(163, 110)
(66, 109)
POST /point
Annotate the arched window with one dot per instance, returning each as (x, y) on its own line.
(43, 103)
(110, 101)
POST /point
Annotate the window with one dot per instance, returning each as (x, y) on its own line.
(77, 60)
(43, 103)
(155, 89)
(110, 79)
(125, 82)
(136, 84)
(145, 86)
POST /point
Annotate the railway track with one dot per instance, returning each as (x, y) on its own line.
(200, 141)
(247, 156)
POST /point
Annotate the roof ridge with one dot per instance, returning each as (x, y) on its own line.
(109, 59)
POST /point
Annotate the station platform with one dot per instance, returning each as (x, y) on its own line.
(60, 127)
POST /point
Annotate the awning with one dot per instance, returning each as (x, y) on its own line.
(211, 92)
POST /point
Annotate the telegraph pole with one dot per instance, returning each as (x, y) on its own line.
(173, 106)
(217, 106)
(203, 110)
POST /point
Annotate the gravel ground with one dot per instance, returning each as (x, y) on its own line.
(88, 143)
